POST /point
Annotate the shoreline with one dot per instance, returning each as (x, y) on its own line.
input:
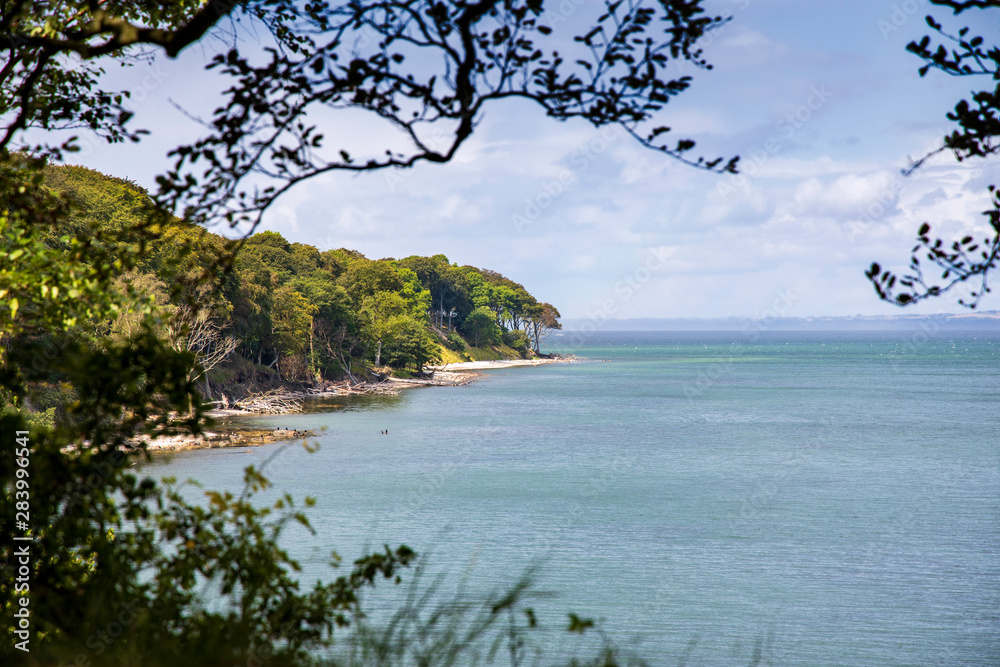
(387, 386)
(221, 439)
(447, 375)
(497, 364)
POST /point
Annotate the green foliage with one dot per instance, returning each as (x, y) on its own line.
(292, 316)
(436, 629)
(116, 548)
(455, 342)
(481, 325)
(41, 420)
(418, 299)
(35, 420)
(98, 201)
(517, 340)
(408, 343)
(365, 278)
(271, 250)
(49, 398)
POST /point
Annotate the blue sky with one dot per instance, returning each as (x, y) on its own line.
(819, 98)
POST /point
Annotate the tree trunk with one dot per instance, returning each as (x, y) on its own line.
(312, 354)
(347, 367)
(208, 389)
(378, 353)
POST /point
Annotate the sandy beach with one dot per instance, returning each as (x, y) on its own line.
(492, 365)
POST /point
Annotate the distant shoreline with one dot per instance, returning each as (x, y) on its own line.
(775, 321)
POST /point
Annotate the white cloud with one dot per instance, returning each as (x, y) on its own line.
(875, 193)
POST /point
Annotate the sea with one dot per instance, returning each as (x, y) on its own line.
(706, 498)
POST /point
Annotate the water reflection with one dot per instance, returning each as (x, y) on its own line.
(351, 403)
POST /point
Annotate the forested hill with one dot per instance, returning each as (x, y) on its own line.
(301, 314)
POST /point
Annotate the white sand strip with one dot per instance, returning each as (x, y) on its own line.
(499, 363)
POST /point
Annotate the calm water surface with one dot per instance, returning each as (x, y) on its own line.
(831, 498)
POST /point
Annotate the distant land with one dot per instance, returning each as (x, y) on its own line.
(975, 321)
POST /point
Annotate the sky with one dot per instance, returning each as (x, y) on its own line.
(819, 98)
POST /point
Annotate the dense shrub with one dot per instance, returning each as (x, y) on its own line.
(455, 342)
(517, 340)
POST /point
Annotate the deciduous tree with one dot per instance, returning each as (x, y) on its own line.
(544, 319)
(481, 325)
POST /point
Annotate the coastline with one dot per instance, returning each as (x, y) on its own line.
(497, 364)
(221, 438)
(447, 375)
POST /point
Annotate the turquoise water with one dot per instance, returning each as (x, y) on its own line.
(828, 498)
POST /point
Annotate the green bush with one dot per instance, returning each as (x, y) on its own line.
(517, 340)
(481, 327)
(455, 342)
(37, 420)
(49, 401)
(33, 420)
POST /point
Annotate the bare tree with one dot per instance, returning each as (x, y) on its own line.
(194, 331)
(337, 345)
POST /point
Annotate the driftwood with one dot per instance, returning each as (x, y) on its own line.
(444, 380)
(370, 388)
(269, 403)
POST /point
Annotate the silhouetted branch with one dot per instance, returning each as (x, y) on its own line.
(964, 261)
